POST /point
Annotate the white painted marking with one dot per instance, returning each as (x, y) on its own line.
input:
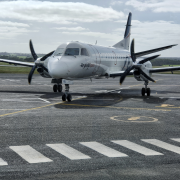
(18, 100)
(97, 99)
(113, 91)
(3, 163)
(68, 151)
(101, 91)
(107, 151)
(30, 154)
(119, 92)
(136, 147)
(44, 100)
(11, 109)
(169, 97)
(176, 139)
(163, 145)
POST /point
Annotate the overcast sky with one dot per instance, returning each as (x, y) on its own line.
(49, 23)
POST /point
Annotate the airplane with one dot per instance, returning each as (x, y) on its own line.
(76, 60)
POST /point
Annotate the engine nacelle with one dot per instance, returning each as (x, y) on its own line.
(145, 68)
(43, 72)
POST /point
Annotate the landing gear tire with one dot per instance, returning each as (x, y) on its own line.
(69, 97)
(55, 88)
(59, 88)
(64, 97)
(143, 91)
(148, 91)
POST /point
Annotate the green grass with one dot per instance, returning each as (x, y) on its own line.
(15, 69)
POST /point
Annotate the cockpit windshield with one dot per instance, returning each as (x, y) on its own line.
(72, 52)
(59, 52)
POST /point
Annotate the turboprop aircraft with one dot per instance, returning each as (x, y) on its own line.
(75, 61)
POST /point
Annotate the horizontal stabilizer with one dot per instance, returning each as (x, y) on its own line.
(143, 53)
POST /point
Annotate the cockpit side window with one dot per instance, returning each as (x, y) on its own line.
(84, 52)
(72, 52)
(59, 52)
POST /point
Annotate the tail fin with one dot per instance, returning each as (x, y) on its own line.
(124, 44)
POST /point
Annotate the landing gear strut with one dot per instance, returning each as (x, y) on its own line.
(57, 87)
(66, 95)
(146, 90)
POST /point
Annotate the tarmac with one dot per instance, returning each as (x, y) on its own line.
(107, 132)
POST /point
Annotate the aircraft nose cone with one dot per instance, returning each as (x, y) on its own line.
(57, 68)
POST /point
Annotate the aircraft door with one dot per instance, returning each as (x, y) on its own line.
(97, 58)
(115, 58)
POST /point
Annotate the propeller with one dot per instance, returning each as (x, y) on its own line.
(137, 65)
(133, 56)
(31, 73)
(123, 76)
(35, 57)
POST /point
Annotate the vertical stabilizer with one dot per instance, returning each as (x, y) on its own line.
(124, 44)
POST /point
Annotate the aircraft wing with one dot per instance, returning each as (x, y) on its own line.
(156, 70)
(119, 73)
(17, 62)
(143, 53)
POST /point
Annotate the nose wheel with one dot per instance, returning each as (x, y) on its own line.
(146, 90)
(67, 96)
(57, 88)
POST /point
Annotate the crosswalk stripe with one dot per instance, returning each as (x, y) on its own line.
(68, 151)
(135, 147)
(176, 139)
(2, 162)
(107, 151)
(163, 145)
(30, 154)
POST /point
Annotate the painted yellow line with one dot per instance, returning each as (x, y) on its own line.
(113, 107)
(29, 109)
(36, 108)
(170, 107)
(136, 119)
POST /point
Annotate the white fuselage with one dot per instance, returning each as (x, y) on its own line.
(99, 61)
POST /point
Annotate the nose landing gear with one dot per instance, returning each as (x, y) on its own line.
(57, 87)
(66, 95)
(146, 90)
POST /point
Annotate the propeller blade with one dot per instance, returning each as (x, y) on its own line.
(46, 56)
(146, 76)
(132, 51)
(31, 74)
(122, 78)
(34, 55)
(148, 59)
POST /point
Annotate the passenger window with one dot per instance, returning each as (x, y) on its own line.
(84, 52)
(72, 52)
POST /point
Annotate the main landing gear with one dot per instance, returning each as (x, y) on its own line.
(66, 95)
(57, 87)
(146, 90)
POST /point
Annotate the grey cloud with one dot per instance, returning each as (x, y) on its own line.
(155, 5)
(15, 24)
(57, 12)
(72, 28)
